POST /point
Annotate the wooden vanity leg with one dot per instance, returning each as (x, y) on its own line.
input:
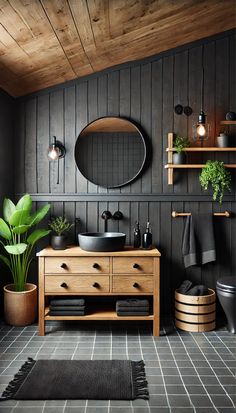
(41, 302)
(156, 298)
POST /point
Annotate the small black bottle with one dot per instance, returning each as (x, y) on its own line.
(147, 238)
(137, 236)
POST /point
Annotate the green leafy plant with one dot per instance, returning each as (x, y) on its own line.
(215, 174)
(180, 143)
(59, 225)
(17, 221)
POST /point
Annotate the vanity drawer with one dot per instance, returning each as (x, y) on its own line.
(132, 265)
(77, 265)
(132, 284)
(76, 284)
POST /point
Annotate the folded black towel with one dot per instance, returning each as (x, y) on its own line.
(185, 286)
(59, 313)
(134, 313)
(132, 302)
(67, 301)
(133, 309)
(198, 290)
(67, 307)
(198, 245)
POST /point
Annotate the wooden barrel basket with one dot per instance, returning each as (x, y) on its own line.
(195, 313)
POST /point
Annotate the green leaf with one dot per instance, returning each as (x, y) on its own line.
(5, 260)
(38, 215)
(4, 230)
(19, 217)
(25, 203)
(21, 229)
(16, 249)
(37, 235)
(8, 209)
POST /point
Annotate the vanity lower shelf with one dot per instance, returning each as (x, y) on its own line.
(97, 314)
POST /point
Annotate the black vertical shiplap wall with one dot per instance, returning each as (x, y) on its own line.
(145, 92)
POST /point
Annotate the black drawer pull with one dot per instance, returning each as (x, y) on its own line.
(96, 265)
(136, 265)
(96, 285)
(64, 285)
(63, 265)
(136, 285)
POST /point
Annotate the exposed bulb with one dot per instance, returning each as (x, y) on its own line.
(53, 153)
(201, 130)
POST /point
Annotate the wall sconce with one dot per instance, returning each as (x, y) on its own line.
(56, 151)
(201, 128)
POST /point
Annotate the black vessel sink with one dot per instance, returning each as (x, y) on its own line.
(102, 241)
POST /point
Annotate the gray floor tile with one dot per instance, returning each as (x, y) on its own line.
(221, 401)
(179, 400)
(201, 400)
(158, 401)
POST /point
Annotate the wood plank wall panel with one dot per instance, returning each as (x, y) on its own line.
(146, 93)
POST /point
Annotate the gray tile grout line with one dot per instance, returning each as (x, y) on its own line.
(158, 358)
(92, 354)
(141, 350)
(213, 404)
(227, 368)
(109, 401)
(180, 375)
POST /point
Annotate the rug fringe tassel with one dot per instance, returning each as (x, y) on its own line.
(140, 384)
(19, 377)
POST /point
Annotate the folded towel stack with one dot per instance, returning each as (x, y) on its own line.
(132, 306)
(67, 306)
(187, 288)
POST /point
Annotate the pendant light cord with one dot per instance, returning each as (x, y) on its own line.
(58, 171)
(202, 86)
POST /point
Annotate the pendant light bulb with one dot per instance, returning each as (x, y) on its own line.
(201, 131)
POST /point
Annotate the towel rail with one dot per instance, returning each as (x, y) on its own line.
(176, 214)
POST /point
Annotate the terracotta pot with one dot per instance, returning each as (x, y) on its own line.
(20, 307)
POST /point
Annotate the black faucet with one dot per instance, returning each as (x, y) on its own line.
(107, 215)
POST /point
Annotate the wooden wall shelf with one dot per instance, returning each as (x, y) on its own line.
(170, 166)
(205, 149)
(228, 122)
(193, 166)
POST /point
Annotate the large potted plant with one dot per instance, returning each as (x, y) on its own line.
(180, 143)
(20, 298)
(60, 226)
(215, 174)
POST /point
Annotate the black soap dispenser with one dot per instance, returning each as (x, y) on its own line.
(147, 238)
(137, 235)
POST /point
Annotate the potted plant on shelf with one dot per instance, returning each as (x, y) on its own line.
(180, 143)
(59, 225)
(215, 174)
(20, 298)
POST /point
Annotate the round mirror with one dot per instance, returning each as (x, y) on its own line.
(110, 152)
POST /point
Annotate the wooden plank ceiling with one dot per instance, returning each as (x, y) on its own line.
(47, 42)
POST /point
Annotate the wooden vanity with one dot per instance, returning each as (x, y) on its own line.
(131, 272)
